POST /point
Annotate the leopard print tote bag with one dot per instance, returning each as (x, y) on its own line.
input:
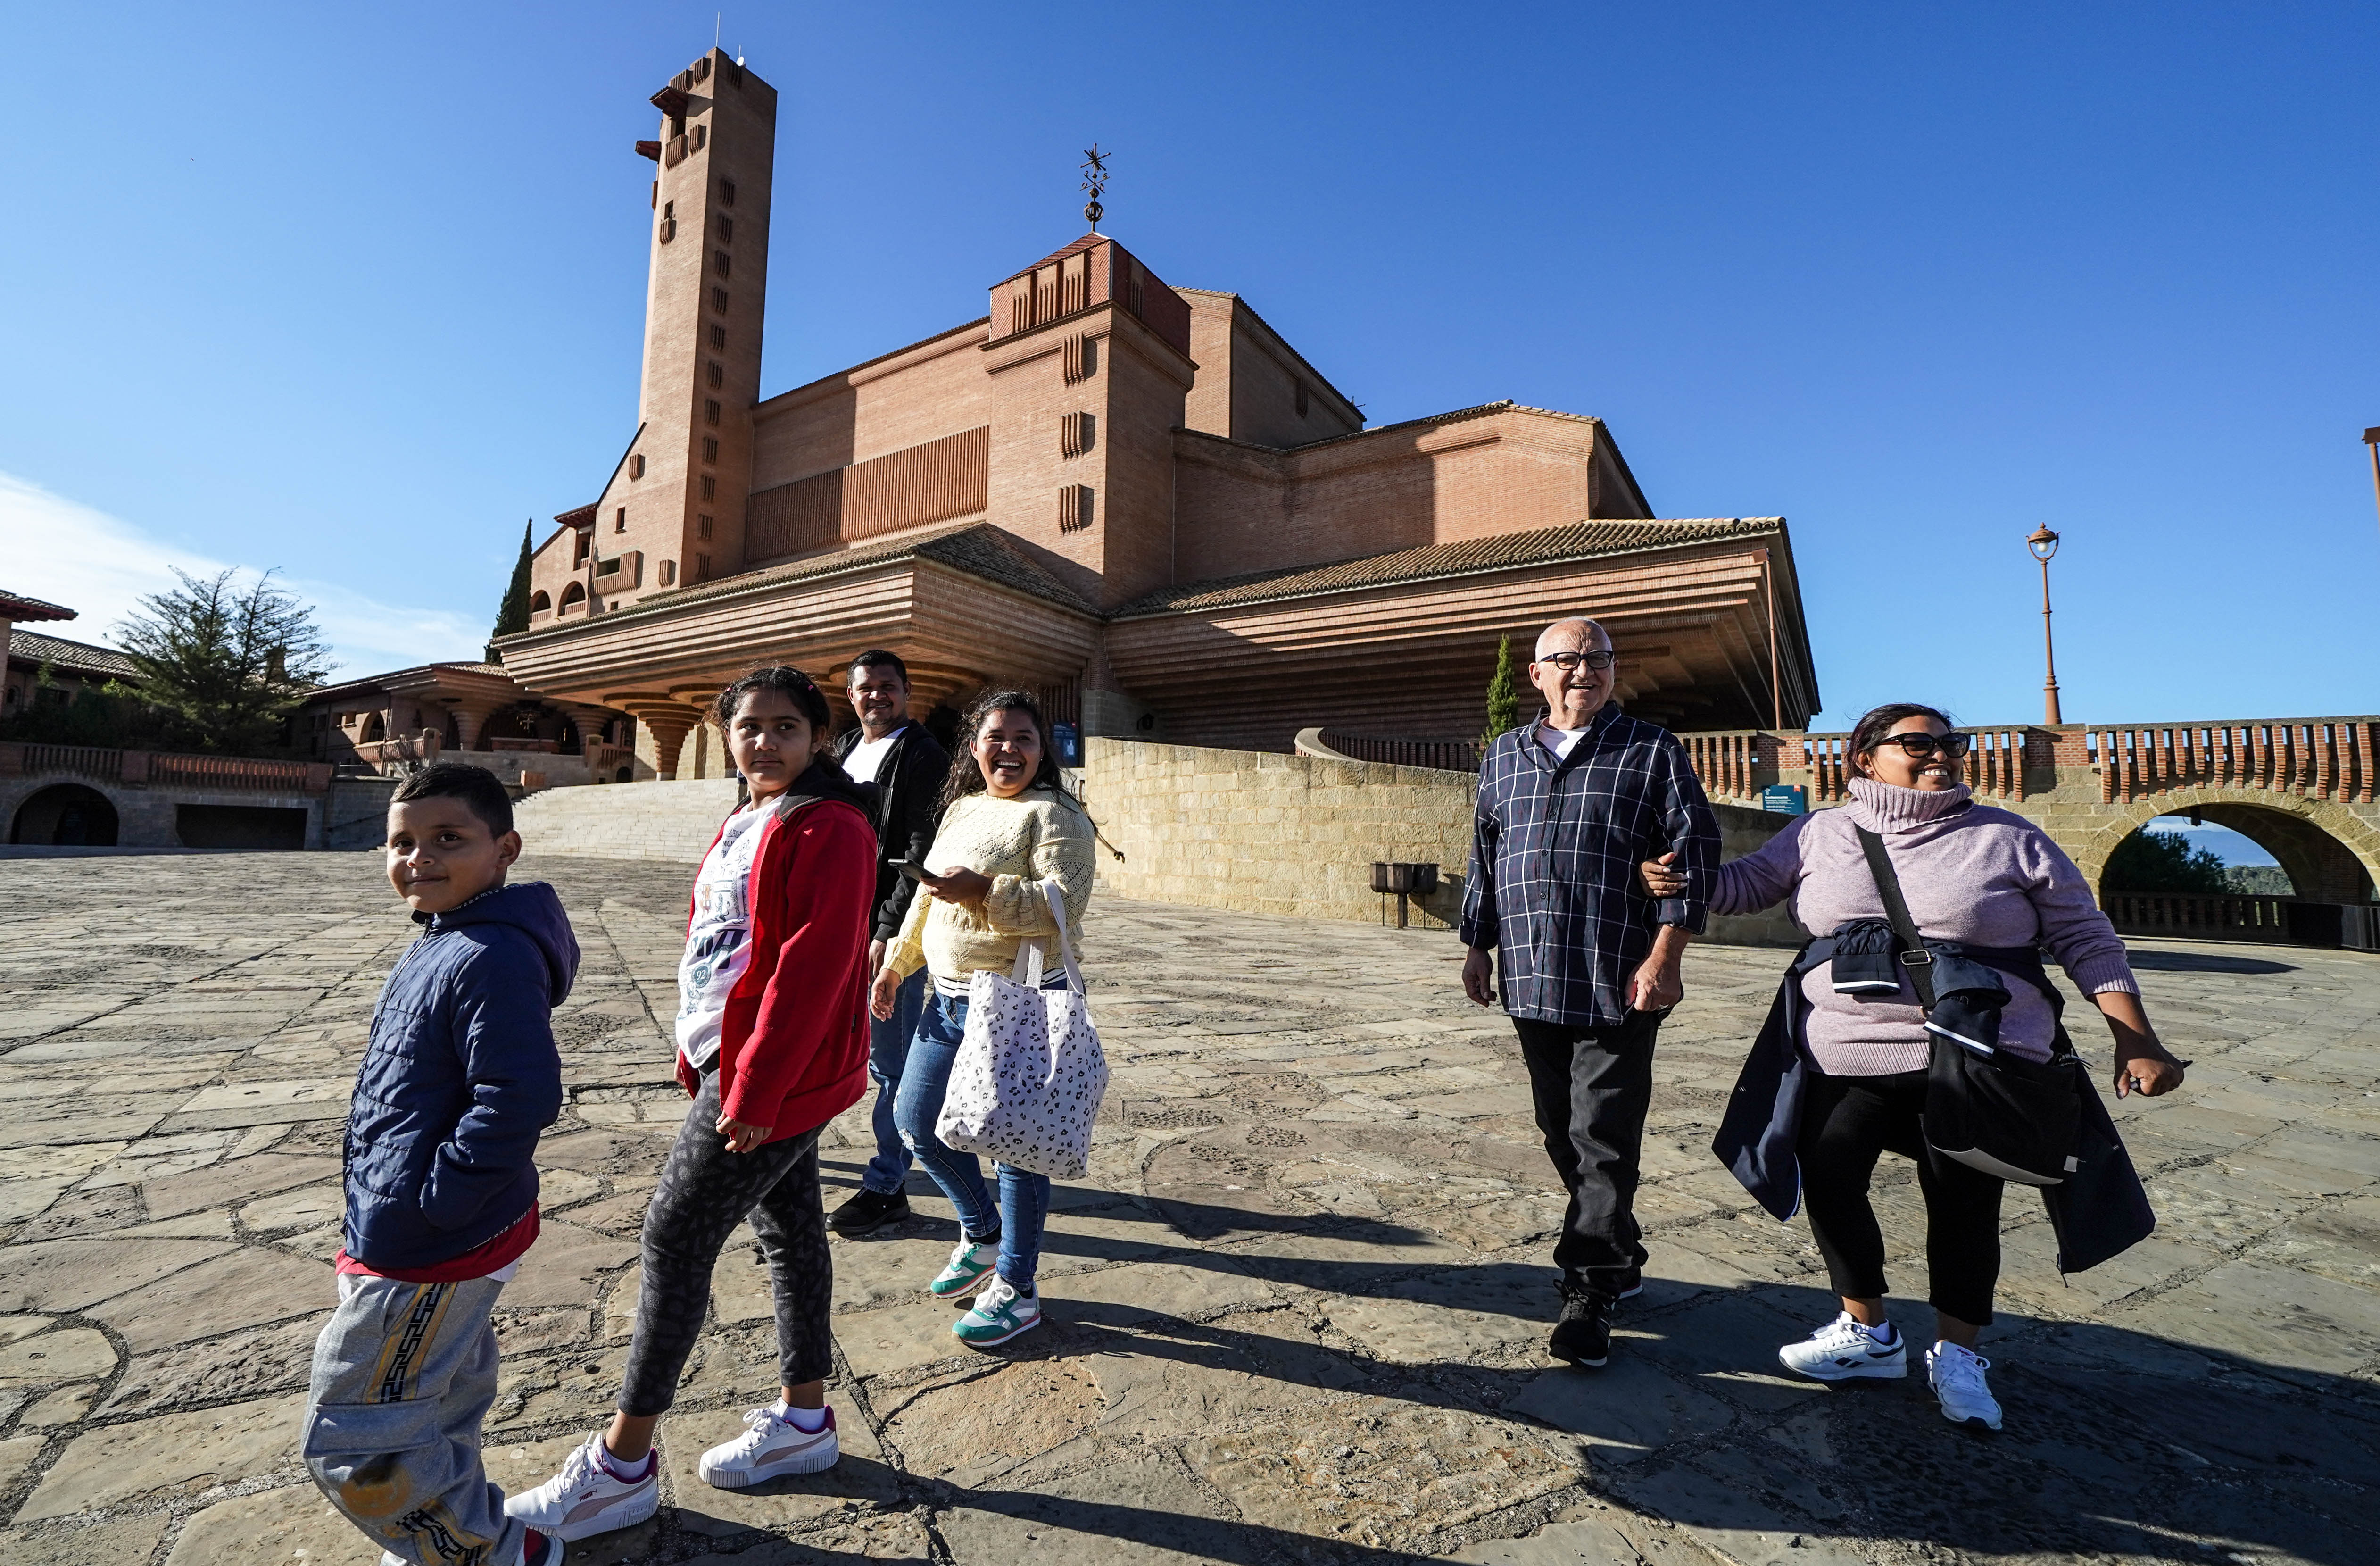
(1030, 1075)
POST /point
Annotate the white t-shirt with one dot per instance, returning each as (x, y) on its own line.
(866, 757)
(1559, 741)
(719, 942)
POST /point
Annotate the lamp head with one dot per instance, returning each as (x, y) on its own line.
(2043, 543)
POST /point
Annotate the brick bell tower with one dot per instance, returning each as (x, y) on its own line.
(673, 513)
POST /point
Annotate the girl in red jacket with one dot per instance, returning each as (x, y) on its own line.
(771, 1044)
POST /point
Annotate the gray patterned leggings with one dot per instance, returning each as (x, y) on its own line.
(705, 1192)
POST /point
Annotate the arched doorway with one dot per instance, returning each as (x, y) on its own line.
(2320, 868)
(2184, 853)
(65, 815)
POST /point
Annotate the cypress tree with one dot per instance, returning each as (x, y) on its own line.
(1503, 697)
(513, 613)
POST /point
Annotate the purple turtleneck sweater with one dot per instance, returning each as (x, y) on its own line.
(1971, 873)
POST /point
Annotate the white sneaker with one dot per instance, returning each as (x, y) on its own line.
(771, 1447)
(1844, 1351)
(586, 1498)
(1958, 1378)
(999, 1314)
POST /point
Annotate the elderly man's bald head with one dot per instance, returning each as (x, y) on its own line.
(1571, 636)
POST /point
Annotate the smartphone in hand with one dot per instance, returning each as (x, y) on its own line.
(913, 869)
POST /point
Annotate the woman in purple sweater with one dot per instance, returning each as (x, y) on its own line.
(1972, 874)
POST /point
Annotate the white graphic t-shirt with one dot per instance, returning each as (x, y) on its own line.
(719, 942)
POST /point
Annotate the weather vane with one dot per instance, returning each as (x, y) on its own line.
(1095, 183)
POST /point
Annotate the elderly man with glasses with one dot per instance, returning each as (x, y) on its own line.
(1569, 805)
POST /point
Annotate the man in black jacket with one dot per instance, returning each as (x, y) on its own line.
(907, 766)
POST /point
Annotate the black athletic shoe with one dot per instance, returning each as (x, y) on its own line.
(868, 1211)
(1583, 1336)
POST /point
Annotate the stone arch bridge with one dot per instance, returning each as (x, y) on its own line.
(2300, 788)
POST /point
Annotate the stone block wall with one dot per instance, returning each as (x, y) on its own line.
(1297, 835)
(145, 817)
(1273, 834)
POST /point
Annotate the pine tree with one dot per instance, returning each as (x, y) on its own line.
(513, 613)
(1503, 697)
(225, 666)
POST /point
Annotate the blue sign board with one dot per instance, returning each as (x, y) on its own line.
(1069, 741)
(1785, 799)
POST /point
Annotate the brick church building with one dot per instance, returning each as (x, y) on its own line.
(1137, 499)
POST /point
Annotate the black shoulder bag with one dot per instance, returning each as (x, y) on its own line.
(1988, 1109)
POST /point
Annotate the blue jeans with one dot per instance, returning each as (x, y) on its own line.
(888, 1049)
(1023, 1197)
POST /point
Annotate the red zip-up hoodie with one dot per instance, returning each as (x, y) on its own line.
(793, 1043)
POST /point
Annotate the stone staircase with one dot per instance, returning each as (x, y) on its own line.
(642, 820)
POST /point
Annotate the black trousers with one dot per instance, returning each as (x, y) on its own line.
(1846, 1122)
(705, 1192)
(1593, 1086)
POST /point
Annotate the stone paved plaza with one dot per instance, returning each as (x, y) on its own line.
(1297, 1309)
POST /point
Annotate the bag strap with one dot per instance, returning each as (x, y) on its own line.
(1913, 955)
(1030, 956)
(1057, 900)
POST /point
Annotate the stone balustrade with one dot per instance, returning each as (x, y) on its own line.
(137, 768)
(2302, 788)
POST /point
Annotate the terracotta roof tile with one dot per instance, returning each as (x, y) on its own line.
(80, 656)
(977, 548)
(1580, 540)
(17, 606)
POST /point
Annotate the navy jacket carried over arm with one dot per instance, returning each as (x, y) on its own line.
(459, 1079)
(1553, 884)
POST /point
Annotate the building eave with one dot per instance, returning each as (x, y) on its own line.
(1432, 562)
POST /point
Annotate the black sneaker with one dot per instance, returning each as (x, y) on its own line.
(868, 1211)
(1583, 1336)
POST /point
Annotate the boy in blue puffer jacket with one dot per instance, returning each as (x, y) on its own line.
(459, 1078)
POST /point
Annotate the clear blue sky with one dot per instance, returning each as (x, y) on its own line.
(351, 292)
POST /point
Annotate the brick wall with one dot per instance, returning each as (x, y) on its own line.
(1431, 481)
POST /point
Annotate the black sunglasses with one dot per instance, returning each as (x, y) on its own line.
(1921, 748)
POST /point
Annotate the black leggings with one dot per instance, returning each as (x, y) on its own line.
(1846, 1122)
(705, 1192)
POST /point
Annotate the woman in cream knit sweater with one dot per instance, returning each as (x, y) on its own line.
(1009, 831)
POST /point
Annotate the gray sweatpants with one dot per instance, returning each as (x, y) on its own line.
(403, 1375)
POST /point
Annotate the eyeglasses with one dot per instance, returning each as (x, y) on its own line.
(1567, 662)
(1921, 748)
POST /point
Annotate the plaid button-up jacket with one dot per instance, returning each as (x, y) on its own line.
(1554, 853)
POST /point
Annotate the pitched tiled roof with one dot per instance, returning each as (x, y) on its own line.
(977, 548)
(1580, 540)
(17, 606)
(80, 656)
(317, 692)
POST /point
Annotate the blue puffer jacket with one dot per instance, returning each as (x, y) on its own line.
(458, 1080)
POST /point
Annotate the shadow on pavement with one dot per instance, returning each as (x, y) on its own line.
(2204, 961)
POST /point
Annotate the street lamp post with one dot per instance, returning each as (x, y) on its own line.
(2371, 443)
(2043, 543)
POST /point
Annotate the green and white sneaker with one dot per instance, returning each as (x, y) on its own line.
(999, 1314)
(969, 1265)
